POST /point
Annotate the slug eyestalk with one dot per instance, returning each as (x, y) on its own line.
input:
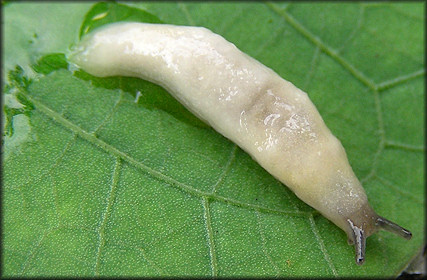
(365, 223)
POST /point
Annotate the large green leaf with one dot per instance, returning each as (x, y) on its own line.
(114, 177)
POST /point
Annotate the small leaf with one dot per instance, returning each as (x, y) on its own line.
(50, 63)
(17, 78)
(104, 13)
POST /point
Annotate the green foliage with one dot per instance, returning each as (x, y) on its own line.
(113, 177)
(104, 12)
(50, 63)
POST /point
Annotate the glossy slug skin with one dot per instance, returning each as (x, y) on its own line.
(247, 102)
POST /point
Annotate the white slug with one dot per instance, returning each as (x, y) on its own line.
(247, 102)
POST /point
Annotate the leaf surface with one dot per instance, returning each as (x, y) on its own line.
(113, 177)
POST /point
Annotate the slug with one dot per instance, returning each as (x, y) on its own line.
(248, 103)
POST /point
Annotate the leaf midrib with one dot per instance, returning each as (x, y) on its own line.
(93, 139)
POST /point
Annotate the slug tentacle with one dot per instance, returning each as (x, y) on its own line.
(384, 224)
(366, 222)
(359, 242)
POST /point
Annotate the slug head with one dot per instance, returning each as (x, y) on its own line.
(364, 223)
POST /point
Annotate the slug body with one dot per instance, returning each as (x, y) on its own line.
(247, 102)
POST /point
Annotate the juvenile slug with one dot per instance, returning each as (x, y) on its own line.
(247, 102)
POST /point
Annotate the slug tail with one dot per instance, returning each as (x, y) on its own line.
(384, 224)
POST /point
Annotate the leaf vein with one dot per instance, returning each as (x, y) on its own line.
(184, 9)
(354, 31)
(322, 246)
(157, 268)
(400, 80)
(226, 168)
(227, 25)
(265, 43)
(403, 146)
(67, 146)
(110, 114)
(400, 190)
(36, 247)
(110, 201)
(311, 71)
(91, 138)
(325, 48)
(210, 236)
(381, 143)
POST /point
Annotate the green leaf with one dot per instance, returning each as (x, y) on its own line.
(113, 177)
(50, 63)
(104, 13)
(35, 29)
